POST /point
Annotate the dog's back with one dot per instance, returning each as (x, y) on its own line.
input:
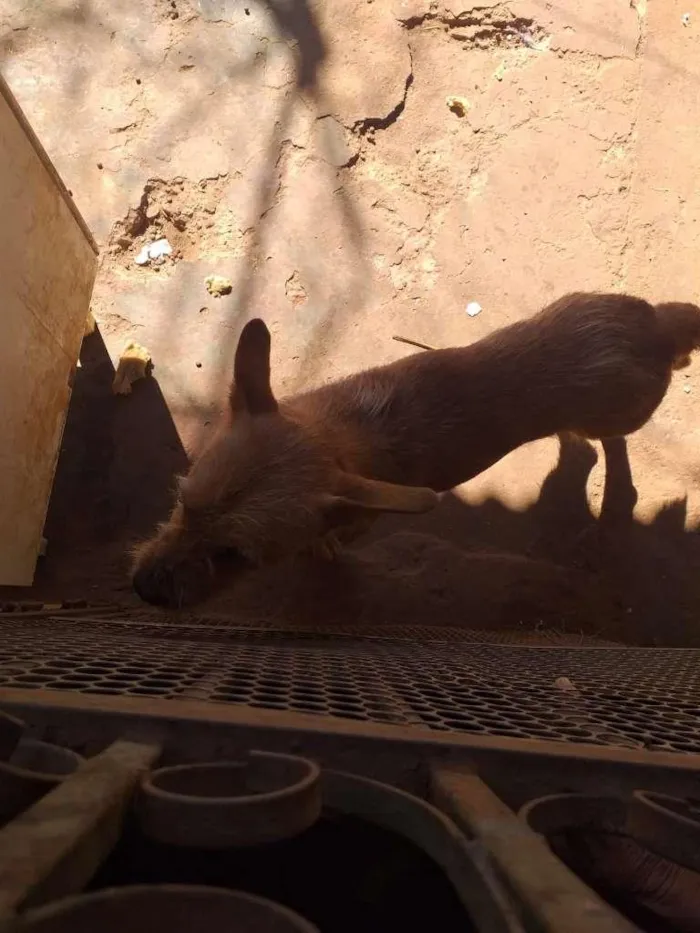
(596, 365)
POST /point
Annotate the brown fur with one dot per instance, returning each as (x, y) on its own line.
(281, 478)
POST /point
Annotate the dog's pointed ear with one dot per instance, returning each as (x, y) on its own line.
(371, 494)
(250, 390)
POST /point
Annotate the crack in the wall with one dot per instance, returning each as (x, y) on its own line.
(368, 125)
(287, 149)
(631, 140)
(483, 27)
(641, 10)
(365, 128)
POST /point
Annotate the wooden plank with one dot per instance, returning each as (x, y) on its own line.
(48, 263)
(54, 847)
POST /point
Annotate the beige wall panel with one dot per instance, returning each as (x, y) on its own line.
(47, 269)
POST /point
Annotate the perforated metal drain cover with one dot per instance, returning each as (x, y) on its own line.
(445, 680)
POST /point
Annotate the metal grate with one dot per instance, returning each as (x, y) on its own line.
(446, 680)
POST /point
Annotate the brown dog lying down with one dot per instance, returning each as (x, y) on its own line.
(280, 478)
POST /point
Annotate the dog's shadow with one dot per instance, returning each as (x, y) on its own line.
(650, 572)
(553, 568)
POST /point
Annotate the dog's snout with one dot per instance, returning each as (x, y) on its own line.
(155, 586)
(173, 586)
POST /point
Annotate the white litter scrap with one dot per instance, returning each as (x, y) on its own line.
(473, 308)
(685, 19)
(154, 252)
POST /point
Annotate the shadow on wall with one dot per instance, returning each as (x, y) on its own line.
(296, 24)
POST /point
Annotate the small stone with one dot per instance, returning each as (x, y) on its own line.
(218, 285)
(685, 19)
(198, 365)
(686, 389)
(474, 308)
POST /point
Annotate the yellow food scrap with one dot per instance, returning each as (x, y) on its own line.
(218, 285)
(134, 364)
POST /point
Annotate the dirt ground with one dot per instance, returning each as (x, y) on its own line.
(311, 151)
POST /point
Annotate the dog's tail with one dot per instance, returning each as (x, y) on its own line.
(680, 326)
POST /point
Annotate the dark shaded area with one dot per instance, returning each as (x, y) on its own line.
(344, 875)
(113, 482)
(553, 567)
(296, 23)
(650, 572)
(657, 895)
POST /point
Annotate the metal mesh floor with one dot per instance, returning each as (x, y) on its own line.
(446, 680)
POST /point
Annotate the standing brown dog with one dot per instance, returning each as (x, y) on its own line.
(279, 478)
